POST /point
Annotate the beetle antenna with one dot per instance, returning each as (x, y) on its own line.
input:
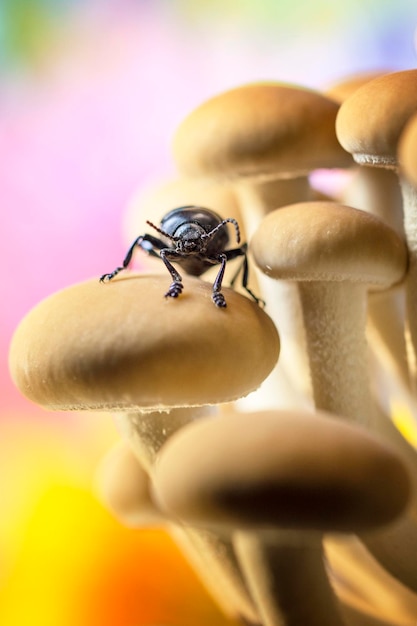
(222, 223)
(162, 232)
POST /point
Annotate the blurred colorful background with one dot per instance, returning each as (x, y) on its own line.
(90, 94)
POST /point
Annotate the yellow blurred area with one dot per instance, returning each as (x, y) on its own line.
(67, 561)
(405, 422)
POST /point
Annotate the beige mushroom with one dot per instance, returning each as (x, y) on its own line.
(377, 191)
(335, 253)
(261, 131)
(280, 480)
(341, 90)
(369, 125)
(265, 138)
(124, 347)
(154, 361)
(123, 486)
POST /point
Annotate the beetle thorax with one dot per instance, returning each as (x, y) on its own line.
(189, 238)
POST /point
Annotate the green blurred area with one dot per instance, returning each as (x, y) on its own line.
(27, 30)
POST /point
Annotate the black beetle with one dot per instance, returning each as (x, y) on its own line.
(196, 239)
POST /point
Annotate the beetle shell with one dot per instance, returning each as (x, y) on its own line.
(206, 218)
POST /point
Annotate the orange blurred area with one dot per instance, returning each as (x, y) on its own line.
(67, 561)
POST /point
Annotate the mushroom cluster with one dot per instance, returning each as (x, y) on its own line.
(264, 440)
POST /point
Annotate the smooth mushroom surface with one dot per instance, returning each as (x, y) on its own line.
(330, 242)
(124, 346)
(342, 89)
(274, 468)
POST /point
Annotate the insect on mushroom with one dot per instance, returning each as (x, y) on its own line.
(196, 238)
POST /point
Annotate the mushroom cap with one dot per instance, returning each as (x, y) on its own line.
(123, 486)
(265, 130)
(370, 121)
(342, 89)
(407, 151)
(329, 241)
(280, 468)
(122, 345)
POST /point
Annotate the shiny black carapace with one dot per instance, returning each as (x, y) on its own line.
(196, 238)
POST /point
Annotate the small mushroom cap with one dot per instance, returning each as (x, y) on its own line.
(343, 89)
(280, 469)
(329, 241)
(124, 488)
(370, 122)
(407, 151)
(122, 345)
(260, 130)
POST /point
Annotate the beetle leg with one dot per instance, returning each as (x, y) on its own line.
(176, 286)
(217, 296)
(244, 267)
(126, 261)
(152, 242)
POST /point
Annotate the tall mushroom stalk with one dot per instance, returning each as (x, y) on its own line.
(155, 362)
(281, 480)
(265, 139)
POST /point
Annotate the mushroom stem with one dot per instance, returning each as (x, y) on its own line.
(294, 589)
(377, 191)
(386, 332)
(335, 315)
(259, 197)
(147, 431)
(409, 194)
(211, 554)
(395, 548)
(335, 322)
(290, 380)
(361, 583)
